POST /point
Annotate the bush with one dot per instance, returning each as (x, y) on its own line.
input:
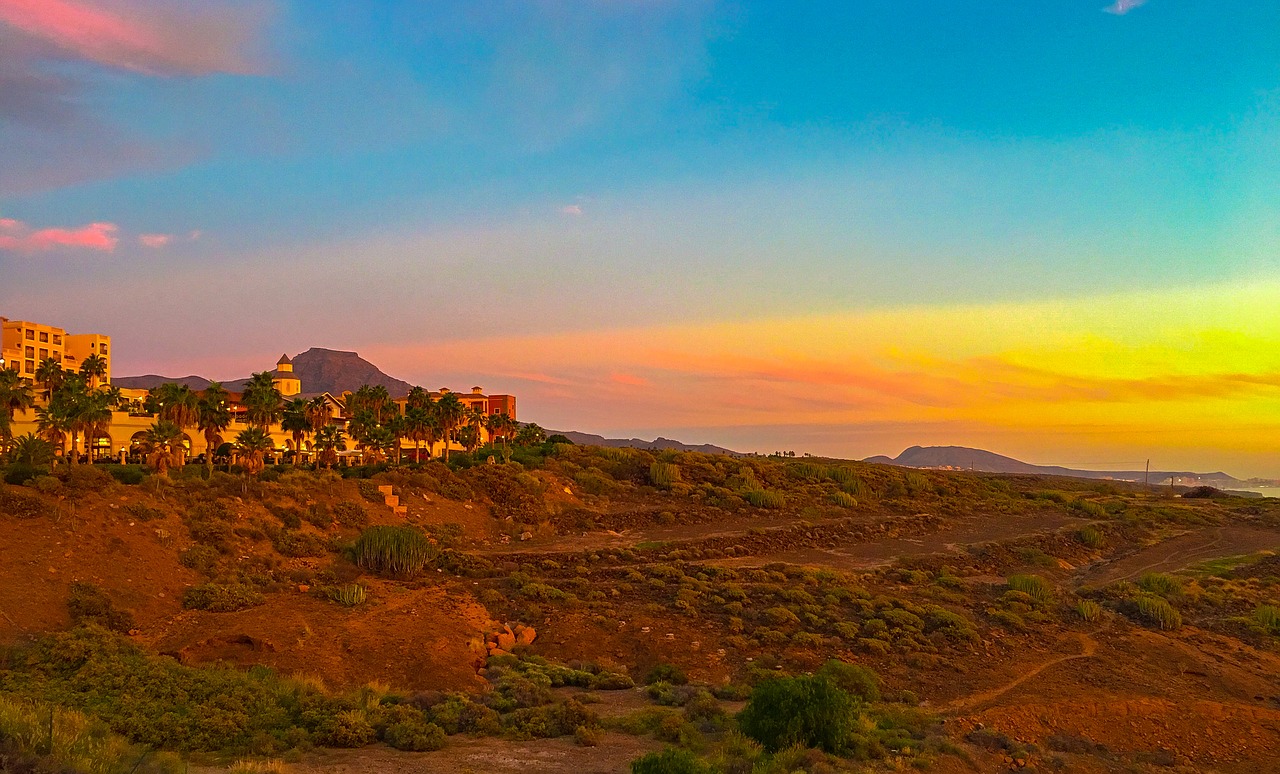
(844, 500)
(1033, 586)
(350, 595)
(1088, 610)
(666, 673)
(350, 514)
(669, 761)
(200, 558)
(1160, 584)
(764, 498)
(87, 604)
(218, 598)
(49, 485)
(346, 729)
(1268, 617)
(299, 544)
(414, 735)
(22, 505)
(853, 678)
(588, 736)
(130, 475)
(664, 474)
(1090, 537)
(1158, 612)
(393, 550)
(809, 711)
(18, 473)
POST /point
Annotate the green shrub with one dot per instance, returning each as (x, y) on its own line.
(143, 512)
(666, 673)
(19, 473)
(855, 679)
(393, 550)
(219, 598)
(1088, 610)
(844, 500)
(1268, 617)
(917, 484)
(48, 485)
(1158, 612)
(807, 471)
(87, 604)
(1090, 508)
(350, 595)
(1033, 586)
(369, 491)
(414, 735)
(588, 736)
(1090, 537)
(669, 761)
(346, 729)
(130, 475)
(200, 558)
(809, 711)
(40, 737)
(664, 474)
(765, 498)
(1160, 584)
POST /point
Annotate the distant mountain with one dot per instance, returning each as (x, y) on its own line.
(319, 369)
(659, 443)
(153, 380)
(964, 458)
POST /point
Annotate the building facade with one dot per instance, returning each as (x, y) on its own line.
(24, 345)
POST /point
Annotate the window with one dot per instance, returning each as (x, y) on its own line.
(31, 366)
(103, 347)
(31, 351)
(44, 337)
(31, 334)
(57, 339)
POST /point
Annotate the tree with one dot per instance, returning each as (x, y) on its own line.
(530, 435)
(30, 451)
(469, 438)
(93, 415)
(50, 375)
(398, 428)
(252, 445)
(328, 441)
(502, 425)
(93, 368)
(262, 399)
(175, 403)
(15, 396)
(808, 711)
(375, 444)
(295, 422)
(162, 444)
(212, 417)
(53, 425)
(670, 761)
(450, 411)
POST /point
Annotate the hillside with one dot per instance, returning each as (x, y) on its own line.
(657, 444)
(1069, 624)
(321, 370)
(964, 458)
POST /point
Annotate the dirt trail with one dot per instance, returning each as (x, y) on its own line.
(1185, 550)
(1088, 646)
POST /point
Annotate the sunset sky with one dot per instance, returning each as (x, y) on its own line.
(1051, 230)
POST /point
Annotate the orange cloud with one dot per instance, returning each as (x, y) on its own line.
(16, 236)
(142, 36)
(630, 380)
(155, 240)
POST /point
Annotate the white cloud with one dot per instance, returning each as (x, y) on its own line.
(1121, 7)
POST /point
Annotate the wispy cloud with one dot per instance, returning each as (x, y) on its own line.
(1121, 7)
(164, 240)
(16, 236)
(571, 209)
(144, 36)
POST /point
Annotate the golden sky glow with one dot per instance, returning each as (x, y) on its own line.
(1159, 374)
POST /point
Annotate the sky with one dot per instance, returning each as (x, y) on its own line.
(1051, 230)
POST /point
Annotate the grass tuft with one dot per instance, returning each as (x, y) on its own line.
(393, 550)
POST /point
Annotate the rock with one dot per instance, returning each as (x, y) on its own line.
(525, 635)
(499, 652)
(506, 641)
(526, 535)
(303, 588)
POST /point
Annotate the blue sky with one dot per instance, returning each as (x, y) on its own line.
(461, 171)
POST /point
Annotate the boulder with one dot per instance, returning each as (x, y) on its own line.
(525, 635)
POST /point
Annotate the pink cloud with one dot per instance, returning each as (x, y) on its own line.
(143, 35)
(630, 380)
(571, 209)
(19, 237)
(155, 240)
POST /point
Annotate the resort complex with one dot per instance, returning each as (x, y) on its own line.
(57, 386)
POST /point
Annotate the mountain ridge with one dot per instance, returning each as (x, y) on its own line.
(319, 369)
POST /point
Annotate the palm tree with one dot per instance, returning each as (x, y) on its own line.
(50, 375)
(31, 451)
(398, 428)
(252, 445)
(418, 398)
(375, 444)
(94, 417)
(502, 424)
(212, 417)
(175, 403)
(162, 443)
(295, 421)
(15, 396)
(53, 425)
(530, 435)
(93, 368)
(450, 411)
(469, 437)
(73, 403)
(328, 441)
(262, 400)
(418, 421)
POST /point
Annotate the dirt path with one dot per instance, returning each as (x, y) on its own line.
(1185, 550)
(1088, 646)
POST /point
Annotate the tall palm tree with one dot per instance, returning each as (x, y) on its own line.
(262, 399)
(252, 445)
(15, 396)
(375, 444)
(175, 403)
(212, 417)
(53, 425)
(50, 375)
(162, 443)
(417, 420)
(503, 425)
(94, 418)
(418, 398)
(530, 435)
(294, 421)
(328, 441)
(398, 428)
(93, 368)
(450, 411)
